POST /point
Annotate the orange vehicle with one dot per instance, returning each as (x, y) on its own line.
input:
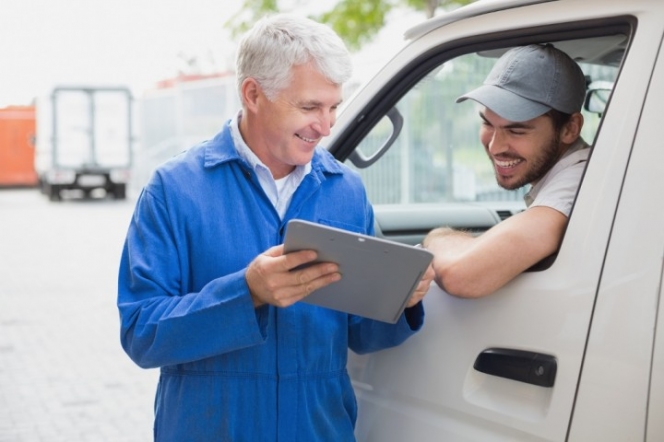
(17, 150)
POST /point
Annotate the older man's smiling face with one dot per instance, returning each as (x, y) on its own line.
(291, 125)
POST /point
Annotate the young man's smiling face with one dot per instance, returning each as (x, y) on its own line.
(286, 130)
(521, 152)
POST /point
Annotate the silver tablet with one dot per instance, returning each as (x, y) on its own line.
(377, 276)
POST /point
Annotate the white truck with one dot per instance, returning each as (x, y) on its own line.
(84, 141)
(573, 349)
(179, 113)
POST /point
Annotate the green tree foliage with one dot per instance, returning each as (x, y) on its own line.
(430, 6)
(250, 12)
(357, 22)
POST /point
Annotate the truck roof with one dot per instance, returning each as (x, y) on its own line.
(472, 10)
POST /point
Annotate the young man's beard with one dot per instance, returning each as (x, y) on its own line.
(550, 155)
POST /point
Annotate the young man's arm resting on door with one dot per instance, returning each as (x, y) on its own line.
(474, 266)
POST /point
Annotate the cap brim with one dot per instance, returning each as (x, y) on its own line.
(506, 104)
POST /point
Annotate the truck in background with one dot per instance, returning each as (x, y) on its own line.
(17, 149)
(84, 141)
(179, 113)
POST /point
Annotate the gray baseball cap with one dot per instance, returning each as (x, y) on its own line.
(528, 81)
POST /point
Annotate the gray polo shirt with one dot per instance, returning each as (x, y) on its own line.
(557, 189)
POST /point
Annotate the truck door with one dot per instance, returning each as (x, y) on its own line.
(112, 124)
(424, 167)
(73, 128)
(621, 390)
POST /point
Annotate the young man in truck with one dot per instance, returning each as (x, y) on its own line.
(531, 125)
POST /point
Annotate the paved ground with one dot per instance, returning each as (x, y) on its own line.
(63, 374)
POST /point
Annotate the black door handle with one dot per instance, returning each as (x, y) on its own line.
(523, 366)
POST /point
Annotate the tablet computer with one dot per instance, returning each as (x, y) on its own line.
(377, 276)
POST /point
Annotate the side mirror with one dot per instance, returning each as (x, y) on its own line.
(597, 96)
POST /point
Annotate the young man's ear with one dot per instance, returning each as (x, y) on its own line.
(572, 129)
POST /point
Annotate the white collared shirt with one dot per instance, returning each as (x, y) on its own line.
(280, 192)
